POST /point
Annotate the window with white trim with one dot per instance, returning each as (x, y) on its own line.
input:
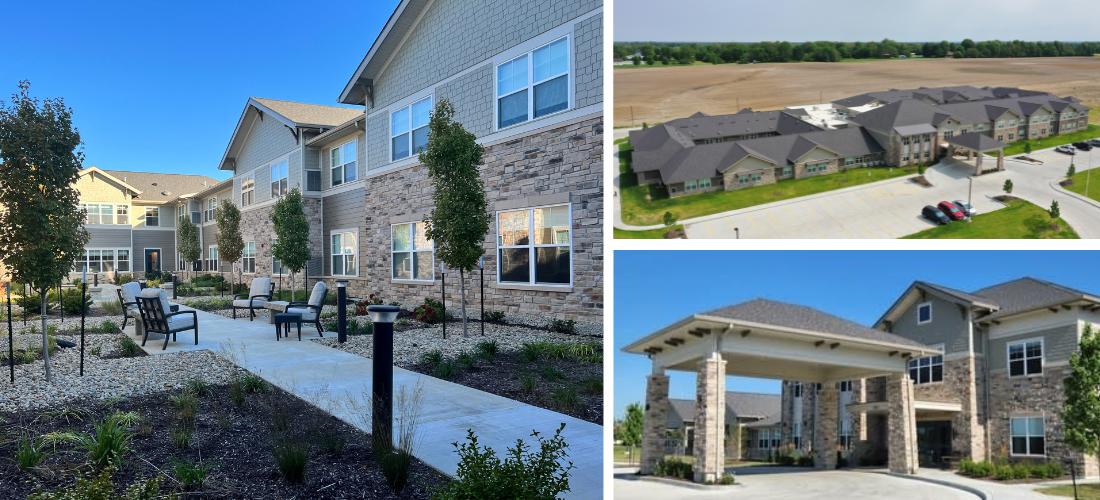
(409, 129)
(248, 257)
(212, 258)
(105, 213)
(534, 246)
(1028, 436)
(1025, 358)
(413, 254)
(211, 210)
(277, 267)
(344, 251)
(248, 191)
(280, 183)
(534, 84)
(342, 162)
(926, 370)
(152, 216)
(122, 214)
(924, 313)
(103, 260)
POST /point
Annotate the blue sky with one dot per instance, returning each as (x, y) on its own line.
(656, 288)
(802, 20)
(159, 86)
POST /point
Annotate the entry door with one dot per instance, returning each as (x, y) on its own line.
(152, 260)
(933, 441)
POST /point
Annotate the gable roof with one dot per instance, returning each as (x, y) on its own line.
(747, 405)
(92, 170)
(401, 20)
(903, 113)
(162, 187)
(976, 141)
(293, 115)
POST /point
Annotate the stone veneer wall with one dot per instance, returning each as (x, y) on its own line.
(656, 421)
(729, 179)
(566, 161)
(959, 386)
(710, 419)
(256, 226)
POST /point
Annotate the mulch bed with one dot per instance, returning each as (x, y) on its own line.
(236, 443)
(554, 381)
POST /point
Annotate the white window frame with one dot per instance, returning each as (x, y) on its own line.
(146, 219)
(248, 257)
(1025, 342)
(283, 181)
(81, 263)
(532, 247)
(412, 251)
(213, 258)
(408, 110)
(332, 252)
(1027, 436)
(919, 307)
(211, 210)
(343, 166)
(530, 87)
(932, 363)
(248, 190)
(122, 215)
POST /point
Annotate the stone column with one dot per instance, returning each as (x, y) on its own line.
(901, 425)
(656, 420)
(1001, 159)
(825, 435)
(733, 441)
(978, 165)
(710, 419)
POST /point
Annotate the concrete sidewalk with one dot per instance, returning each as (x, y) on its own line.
(339, 383)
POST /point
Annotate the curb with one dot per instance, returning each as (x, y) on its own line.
(983, 495)
(1058, 187)
(690, 484)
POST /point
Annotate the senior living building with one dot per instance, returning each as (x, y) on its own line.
(704, 153)
(524, 77)
(943, 375)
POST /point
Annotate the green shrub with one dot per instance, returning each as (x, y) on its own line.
(432, 358)
(236, 392)
(29, 454)
(396, 464)
(487, 349)
(291, 459)
(566, 326)
(199, 387)
(525, 472)
(674, 468)
(53, 439)
(465, 361)
(70, 300)
(123, 278)
(108, 326)
(108, 444)
(494, 317)
(181, 437)
(191, 476)
(86, 487)
(566, 398)
(785, 457)
(1020, 471)
(527, 383)
(129, 348)
(552, 374)
(111, 308)
(187, 407)
(727, 479)
(532, 351)
(253, 384)
(430, 312)
(805, 461)
(445, 369)
(127, 419)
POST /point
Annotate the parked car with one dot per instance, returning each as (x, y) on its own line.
(934, 215)
(951, 210)
(1067, 149)
(1094, 142)
(1083, 146)
(965, 207)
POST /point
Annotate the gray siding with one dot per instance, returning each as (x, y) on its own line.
(1058, 344)
(378, 148)
(164, 240)
(167, 215)
(948, 326)
(588, 61)
(209, 236)
(319, 156)
(294, 177)
(472, 96)
(108, 238)
(343, 211)
(268, 140)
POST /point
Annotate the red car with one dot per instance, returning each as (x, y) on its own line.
(951, 210)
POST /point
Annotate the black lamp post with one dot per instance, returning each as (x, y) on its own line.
(382, 373)
(737, 233)
(443, 295)
(481, 267)
(342, 310)
(11, 343)
(83, 313)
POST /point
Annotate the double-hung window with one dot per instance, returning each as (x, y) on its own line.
(100, 213)
(534, 246)
(533, 85)
(409, 129)
(122, 260)
(152, 216)
(103, 260)
(211, 209)
(413, 253)
(924, 313)
(248, 257)
(280, 185)
(344, 251)
(212, 258)
(248, 191)
(1025, 358)
(122, 214)
(1028, 436)
(342, 163)
(926, 370)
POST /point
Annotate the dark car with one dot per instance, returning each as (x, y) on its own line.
(1083, 146)
(934, 214)
(1094, 142)
(951, 210)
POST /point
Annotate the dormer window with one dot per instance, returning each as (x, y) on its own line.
(924, 313)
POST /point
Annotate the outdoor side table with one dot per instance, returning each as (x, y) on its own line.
(283, 320)
(273, 307)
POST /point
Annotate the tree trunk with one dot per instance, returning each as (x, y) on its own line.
(462, 286)
(45, 338)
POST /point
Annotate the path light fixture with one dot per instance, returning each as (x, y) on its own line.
(443, 295)
(737, 232)
(11, 343)
(383, 317)
(481, 267)
(342, 310)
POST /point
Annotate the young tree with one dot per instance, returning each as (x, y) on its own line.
(42, 225)
(292, 232)
(459, 220)
(1027, 147)
(631, 429)
(669, 219)
(230, 243)
(1008, 186)
(1081, 410)
(187, 235)
(1072, 170)
(1055, 211)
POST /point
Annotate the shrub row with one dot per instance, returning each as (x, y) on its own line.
(1005, 471)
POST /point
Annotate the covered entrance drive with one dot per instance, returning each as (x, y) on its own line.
(768, 339)
(974, 146)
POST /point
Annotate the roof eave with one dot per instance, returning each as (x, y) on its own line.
(351, 93)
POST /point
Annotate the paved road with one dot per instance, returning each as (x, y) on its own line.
(892, 209)
(759, 484)
(339, 383)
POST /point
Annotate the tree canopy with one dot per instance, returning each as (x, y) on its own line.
(1081, 411)
(230, 243)
(292, 246)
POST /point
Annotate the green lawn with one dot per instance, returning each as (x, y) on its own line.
(1085, 179)
(623, 454)
(648, 234)
(1084, 491)
(1091, 131)
(1018, 220)
(639, 211)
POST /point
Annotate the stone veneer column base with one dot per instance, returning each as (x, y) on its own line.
(656, 419)
(710, 419)
(825, 435)
(902, 425)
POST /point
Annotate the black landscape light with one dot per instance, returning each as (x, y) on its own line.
(383, 317)
(481, 266)
(443, 295)
(342, 310)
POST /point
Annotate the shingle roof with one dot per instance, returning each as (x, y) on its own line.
(886, 119)
(310, 114)
(976, 141)
(156, 186)
(1027, 294)
(786, 315)
(748, 405)
(958, 294)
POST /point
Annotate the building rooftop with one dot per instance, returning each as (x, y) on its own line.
(739, 405)
(163, 187)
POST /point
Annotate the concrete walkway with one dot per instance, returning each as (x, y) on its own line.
(339, 383)
(995, 490)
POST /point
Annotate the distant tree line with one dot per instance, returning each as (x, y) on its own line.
(718, 53)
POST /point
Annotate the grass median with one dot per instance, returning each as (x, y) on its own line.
(1091, 131)
(1086, 184)
(1084, 491)
(1018, 220)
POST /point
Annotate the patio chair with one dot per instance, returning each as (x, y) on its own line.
(311, 310)
(127, 296)
(157, 317)
(259, 292)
